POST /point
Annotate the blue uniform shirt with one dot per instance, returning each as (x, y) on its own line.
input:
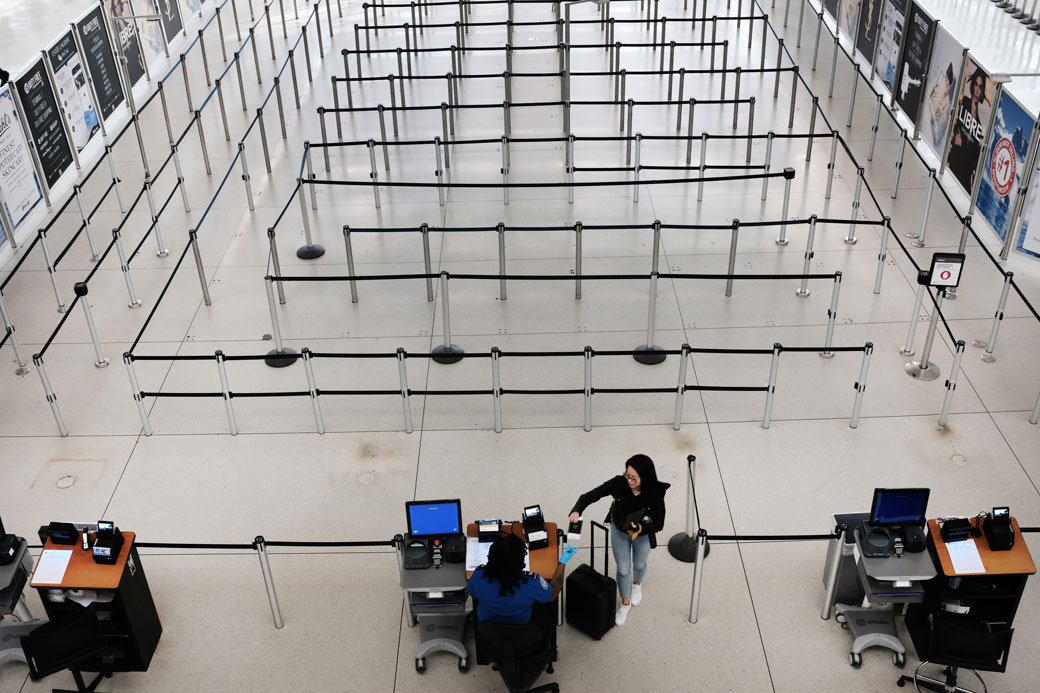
(511, 608)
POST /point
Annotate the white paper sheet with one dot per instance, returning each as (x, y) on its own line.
(477, 554)
(50, 569)
(965, 557)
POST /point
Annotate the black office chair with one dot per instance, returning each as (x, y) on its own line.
(518, 652)
(64, 644)
(961, 641)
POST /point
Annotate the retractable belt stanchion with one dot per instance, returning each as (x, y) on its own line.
(350, 264)
(9, 328)
(923, 369)
(771, 385)
(683, 545)
(698, 573)
(951, 383)
(276, 263)
(52, 399)
(447, 352)
(587, 356)
(81, 291)
(194, 240)
(280, 356)
(496, 388)
(991, 343)
(402, 372)
(861, 384)
(226, 392)
(78, 194)
(134, 301)
(803, 290)
(310, 250)
(831, 583)
(650, 354)
(886, 231)
(680, 388)
(265, 567)
(51, 271)
(918, 238)
(312, 389)
(128, 359)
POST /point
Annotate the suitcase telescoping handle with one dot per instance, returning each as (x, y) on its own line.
(606, 547)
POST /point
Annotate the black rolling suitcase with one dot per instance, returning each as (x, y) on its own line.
(592, 597)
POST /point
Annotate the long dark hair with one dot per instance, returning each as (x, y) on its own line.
(506, 563)
(644, 467)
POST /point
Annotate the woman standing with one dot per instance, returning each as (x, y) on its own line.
(635, 516)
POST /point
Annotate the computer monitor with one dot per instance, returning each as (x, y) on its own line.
(899, 506)
(434, 517)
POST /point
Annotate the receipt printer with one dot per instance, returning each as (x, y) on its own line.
(108, 544)
(998, 530)
(534, 528)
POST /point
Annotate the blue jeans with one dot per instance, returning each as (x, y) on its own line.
(630, 557)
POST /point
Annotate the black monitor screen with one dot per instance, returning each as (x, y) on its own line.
(429, 518)
(899, 506)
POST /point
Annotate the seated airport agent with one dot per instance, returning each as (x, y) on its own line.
(506, 593)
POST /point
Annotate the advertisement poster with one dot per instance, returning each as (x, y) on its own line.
(969, 126)
(890, 37)
(914, 63)
(44, 121)
(1005, 165)
(148, 32)
(944, 73)
(867, 36)
(1029, 237)
(171, 18)
(831, 8)
(19, 186)
(70, 84)
(848, 17)
(126, 30)
(97, 50)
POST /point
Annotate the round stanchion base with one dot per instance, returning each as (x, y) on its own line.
(649, 355)
(447, 354)
(103, 363)
(919, 371)
(951, 294)
(683, 547)
(135, 304)
(310, 252)
(850, 240)
(162, 253)
(988, 358)
(978, 343)
(800, 293)
(782, 241)
(917, 244)
(826, 354)
(906, 352)
(281, 359)
(22, 370)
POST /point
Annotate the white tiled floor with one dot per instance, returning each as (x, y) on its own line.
(759, 628)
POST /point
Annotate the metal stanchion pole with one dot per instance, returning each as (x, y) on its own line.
(187, 85)
(831, 164)
(771, 385)
(577, 260)
(52, 399)
(223, 41)
(310, 250)
(115, 179)
(991, 343)
(312, 388)
(704, 154)
(146, 427)
(351, 272)
(788, 177)
(834, 67)
(918, 241)
(162, 250)
(80, 289)
(193, 238)
(680, 391)
(886, 230)
(505, 170)
(265, 566)
(134, 301)
(9, 327)
(439, 171)
(698, 574)
(908, 346)
(1035, 416)
(424, 231)
(851, 238)
(874, 127)
(51, 270)
(226, 392)
(831, 583)
(794, 94)
(732, 257)
(496, 388)
(899, 164)
(202, 141)
(223, 110)
(276, 263)
(803, 290)
(923, 369)
(779, 62)
(263, 138)
(295, 81)
(861, 384)
(832, 317)
(78, 193)
(501, 231)
(635, 168)
(588, 354)
(650, 354)
(245, 175)
(951, 383)
(374, 173)
(446, 352)
(402, 373)
(280, 356)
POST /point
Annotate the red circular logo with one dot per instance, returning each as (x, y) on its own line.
(1002, 167)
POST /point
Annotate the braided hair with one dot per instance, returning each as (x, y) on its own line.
(506, 563)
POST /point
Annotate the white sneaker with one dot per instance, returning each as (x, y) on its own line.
(622, 614)
(637, 594)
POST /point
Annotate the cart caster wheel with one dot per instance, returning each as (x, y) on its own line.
(855, 660)
(463, 665)
(420, 665)
(900, 682)
(899, 659)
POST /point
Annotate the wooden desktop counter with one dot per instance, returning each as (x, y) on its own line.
(543, 561)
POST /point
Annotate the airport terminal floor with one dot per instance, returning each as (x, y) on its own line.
(490, 228)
